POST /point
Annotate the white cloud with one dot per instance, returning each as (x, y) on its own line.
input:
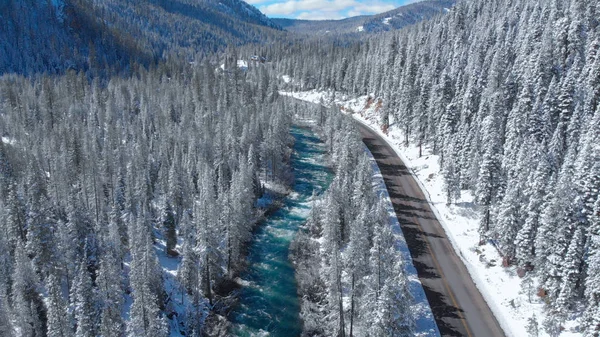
(373, 8)
(319, 15)
(353, 12)
(293, 6)
(256, 2)
(323, 9)
(364, 9)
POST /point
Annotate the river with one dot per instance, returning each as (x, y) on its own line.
(268, 302)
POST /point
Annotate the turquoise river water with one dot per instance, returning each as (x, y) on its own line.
(269, 305)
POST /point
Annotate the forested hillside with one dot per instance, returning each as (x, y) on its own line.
(105, 37)
(507, 93)
(37, 36)
(105, 187)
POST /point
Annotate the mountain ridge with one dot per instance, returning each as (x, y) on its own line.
(397, 18)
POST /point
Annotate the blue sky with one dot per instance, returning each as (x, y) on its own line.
(325, 9)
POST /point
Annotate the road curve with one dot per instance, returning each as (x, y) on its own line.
(457, 305)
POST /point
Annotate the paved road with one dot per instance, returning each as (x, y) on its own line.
(457, 304)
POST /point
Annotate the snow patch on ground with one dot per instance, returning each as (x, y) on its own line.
(9, 141)
(512, 302)
(386, 21)
(360, 28)
(178, 301)
(242, 64)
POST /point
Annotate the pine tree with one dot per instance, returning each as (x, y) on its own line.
(188, 270)
(85, 303)
(558, 144)
(176, 192)
(489, 172)
(509, 220)
(6, 268)
(240, 203)
(146, 283)
(16, 217)
(30, 313)
(6, 325)
(451, 174)
(59, 324)
(532, 327)
(333, 244)
(511, 215)
(335, 296)
(110, 292)
(208, 240)
(333, 222)
(380, 259)
(571, 278)
(552, 325)
(168, 221)
(362, 191)
(525, 240)
(189, 276)
(387, 303)
(394, 317)
(516, 127)
(41, 245)
(592, 282)
(357, 255)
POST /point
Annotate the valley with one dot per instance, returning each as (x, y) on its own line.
(201, 168)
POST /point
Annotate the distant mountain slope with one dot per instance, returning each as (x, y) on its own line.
(37, 36)
(348, 25)
(241, 11)
(50, 36)
(394, 19)
(191, 26)
(407, 15)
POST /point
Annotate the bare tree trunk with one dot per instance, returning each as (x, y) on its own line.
(487, 219)
(378, 271)
(342, 332)
(338, 281)
(352, 308)
(229, 253)
(96, 196)
(208, 287)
